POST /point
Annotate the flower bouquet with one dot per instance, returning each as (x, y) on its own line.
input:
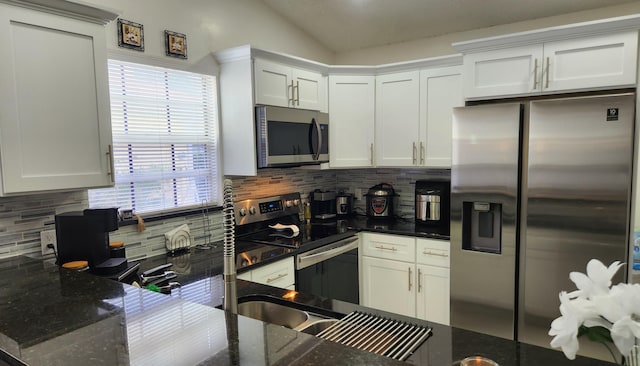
(601, 312)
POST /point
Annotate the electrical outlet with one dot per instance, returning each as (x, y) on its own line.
(358, 194)
(48, 237)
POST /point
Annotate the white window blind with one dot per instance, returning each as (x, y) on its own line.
(164, 125)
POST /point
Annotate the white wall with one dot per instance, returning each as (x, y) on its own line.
(211, 25)
(439, 46)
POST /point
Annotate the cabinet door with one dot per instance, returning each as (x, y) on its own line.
(397, 119)
(388, 285)
(352, 111)
(309, 90)
(433, 294)
(273, 84)
(277, 274)
(440, 92)
(594, 62)
(506, 72)
(55, 117)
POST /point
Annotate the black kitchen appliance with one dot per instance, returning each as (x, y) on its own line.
(326, 255)
(84, 236)
(381, 201)
(432, 203)
(323, 205)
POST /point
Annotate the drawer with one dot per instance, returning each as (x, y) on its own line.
(433, 252)
(278, 274)
(395, 247)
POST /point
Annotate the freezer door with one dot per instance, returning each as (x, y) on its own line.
(484, 193)
(578, 199)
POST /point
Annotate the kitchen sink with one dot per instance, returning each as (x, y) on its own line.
(317, 326)
(287, 314)
(273, 313)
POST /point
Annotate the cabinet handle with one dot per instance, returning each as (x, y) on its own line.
(535, 74)
(393, 249)
(290, 92)
(298, 92)
(419, 280)
(371, 154)
(409, 278)
(415, 159)
(269, 280)
(421, 153)
(547, 75)
(428, 252)
(111, 173)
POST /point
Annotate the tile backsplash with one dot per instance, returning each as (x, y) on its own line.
(22, 218)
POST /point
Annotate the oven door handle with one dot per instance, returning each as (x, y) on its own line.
(318, 255)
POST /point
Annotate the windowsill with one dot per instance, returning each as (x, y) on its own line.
(170, 215)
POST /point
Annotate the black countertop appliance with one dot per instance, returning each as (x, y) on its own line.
(381, 201)
(432, 202)
(84, 236)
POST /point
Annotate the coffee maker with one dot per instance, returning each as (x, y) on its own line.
(432, 201)
(323, 205)
(84, 236)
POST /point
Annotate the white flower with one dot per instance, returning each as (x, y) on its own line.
(596, 303)
(565, 328)
(597, 280)
(624, 332)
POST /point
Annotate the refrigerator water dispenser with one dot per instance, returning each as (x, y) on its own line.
(482, 227)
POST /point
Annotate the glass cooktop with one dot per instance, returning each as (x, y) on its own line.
(288, 238)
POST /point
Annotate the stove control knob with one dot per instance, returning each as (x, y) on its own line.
(252, 210)
(296, 202)
(243, 212)
(254, 259)
(288, 203)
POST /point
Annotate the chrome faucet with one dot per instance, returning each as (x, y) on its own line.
(229, 274)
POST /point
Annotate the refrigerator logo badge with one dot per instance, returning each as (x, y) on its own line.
(612, 114)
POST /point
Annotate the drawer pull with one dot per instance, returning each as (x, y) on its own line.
(428, 252)
(269, 280)
(393, 249)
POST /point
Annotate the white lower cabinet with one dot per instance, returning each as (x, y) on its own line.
(406, 275)
(277, 274)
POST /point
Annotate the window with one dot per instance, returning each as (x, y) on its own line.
(164, 126)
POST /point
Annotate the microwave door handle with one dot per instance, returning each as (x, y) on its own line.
(316, 156)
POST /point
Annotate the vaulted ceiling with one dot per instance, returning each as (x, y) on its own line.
(345, 25)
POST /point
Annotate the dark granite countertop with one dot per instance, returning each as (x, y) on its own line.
(54, 316)
(396, 226)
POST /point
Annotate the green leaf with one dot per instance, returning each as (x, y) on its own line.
(596, 334)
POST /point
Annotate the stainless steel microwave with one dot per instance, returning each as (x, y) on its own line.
(291, 137)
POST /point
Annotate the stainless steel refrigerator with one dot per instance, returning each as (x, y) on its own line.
(538, 188)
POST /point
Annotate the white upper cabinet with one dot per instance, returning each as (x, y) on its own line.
(566, 65)
(397, 119)
(440, 92)
(54, 110)
(285, 86)
(352, 113)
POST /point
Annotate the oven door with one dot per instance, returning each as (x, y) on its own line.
(330, 271)
(289, 137)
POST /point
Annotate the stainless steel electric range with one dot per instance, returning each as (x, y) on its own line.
(326, 254)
